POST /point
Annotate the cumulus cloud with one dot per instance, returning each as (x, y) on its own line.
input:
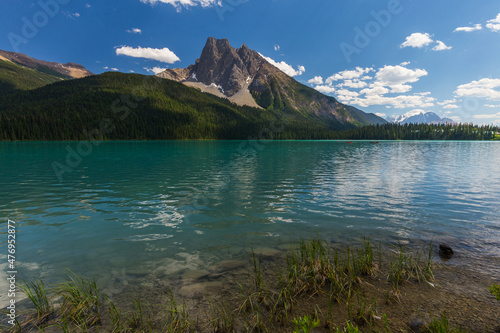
(487, 116)
(485, 88)
(115, 69)
(284, 67)
(276, 47)
(381, 115)
(325, 89)
(441, 46)
(398, 75)
(398, 102)
(163, 55)
(447, 101)
(469, 29)
(88, 6)
(449, 104)
(492, 105)
(178, 4)
(317, 80)
(356, 84)
(155, 70)
(134, 31)
(417, 40)
(379, 89)
(357, 73)
(494, 24)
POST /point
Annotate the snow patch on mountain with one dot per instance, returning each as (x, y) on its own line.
(419, 117)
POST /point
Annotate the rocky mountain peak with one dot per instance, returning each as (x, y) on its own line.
(222, 65)
(244, 77)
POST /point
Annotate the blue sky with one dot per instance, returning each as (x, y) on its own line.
(387, 57)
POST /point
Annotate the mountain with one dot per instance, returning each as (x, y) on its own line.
(66, 71)
(20, 72)
(419, 117)
(118, 106)
(244, 77)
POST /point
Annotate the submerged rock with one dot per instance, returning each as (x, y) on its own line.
(445, 252)
(417, 325)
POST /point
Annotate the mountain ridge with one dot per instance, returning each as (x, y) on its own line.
(66, 71)
(229, 72)
(419, 117)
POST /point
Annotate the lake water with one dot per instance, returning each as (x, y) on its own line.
(151, 210)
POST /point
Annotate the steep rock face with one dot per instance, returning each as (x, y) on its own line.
(66, 71)
(220, 64)
(246, 78)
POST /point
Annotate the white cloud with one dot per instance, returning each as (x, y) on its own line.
(344, 94)
(398, 102)
(400, 88)
(134, 31)
(469, 29)
(487, 116)
(356, 73)
(417, 40)
(398, 75)
(276, 47)
(441, 46)
(185, 3)
(483, 88)
(382, 115)
(88, 5)
(163, 55)
(448, 101)
(115, 69)
(155, 70)
(106, 67)
(494, 24)
(492, 106)
(325, 89)
(72, 15)
(284, 67)
(449, 104)
(406, 63)
(387, 80)
(375, 90)
(356, 84)
(316, 80)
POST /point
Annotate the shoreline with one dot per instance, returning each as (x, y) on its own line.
(459, 293)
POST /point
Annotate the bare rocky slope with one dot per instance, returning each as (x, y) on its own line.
(66, 71)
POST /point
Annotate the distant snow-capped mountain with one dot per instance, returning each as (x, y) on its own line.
(419, 117)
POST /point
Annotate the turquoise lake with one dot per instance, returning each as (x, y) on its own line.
(127, 211)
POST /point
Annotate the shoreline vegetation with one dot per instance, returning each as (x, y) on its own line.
(314, 287)
(13, 130)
